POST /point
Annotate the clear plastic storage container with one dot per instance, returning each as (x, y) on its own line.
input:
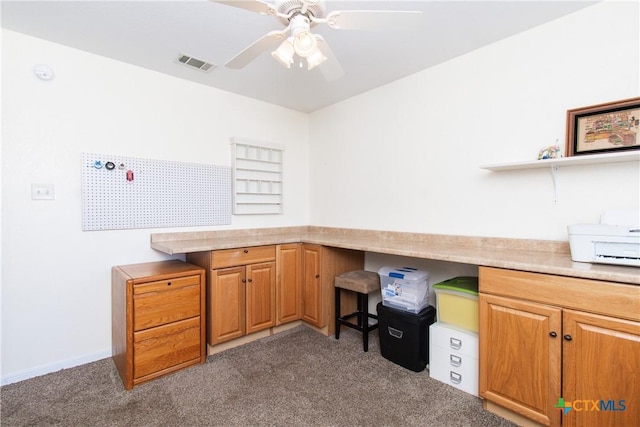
(404, 288)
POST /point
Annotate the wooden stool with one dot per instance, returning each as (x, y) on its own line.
(362, 283)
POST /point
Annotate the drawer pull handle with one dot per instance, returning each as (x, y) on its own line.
(455, 360)
(568, 337)
(396, 333)
(455, 377)
(553, 334)
(455, 343)
(168, 283)
(246, 251)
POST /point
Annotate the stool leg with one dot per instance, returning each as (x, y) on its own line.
(360, 310)
(337, 313)
(365, 321)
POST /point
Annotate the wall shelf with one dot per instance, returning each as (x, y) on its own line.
(627, 156)
(554, 164)
(257, 177)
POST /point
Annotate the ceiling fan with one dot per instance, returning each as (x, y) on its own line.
(297, 40)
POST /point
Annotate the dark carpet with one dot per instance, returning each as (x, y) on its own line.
(295, 378)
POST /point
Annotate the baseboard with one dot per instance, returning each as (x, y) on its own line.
(213, 349)
(53, 367)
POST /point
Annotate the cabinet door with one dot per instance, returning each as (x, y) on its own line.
(288, 288)
(312, 301)
(601, 376)
(226, 317)
(261, 296)
(520, 356)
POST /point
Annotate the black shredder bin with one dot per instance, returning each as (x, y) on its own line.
(404, 336)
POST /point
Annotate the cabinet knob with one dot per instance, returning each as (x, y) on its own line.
(244, 280)
(568, 337)
(553, 334)
(250, 280)
(246, 251)
(168, 283)
(317, 276)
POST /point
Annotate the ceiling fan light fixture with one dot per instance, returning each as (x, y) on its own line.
(305, 44)
(284, 53)
(315, 59)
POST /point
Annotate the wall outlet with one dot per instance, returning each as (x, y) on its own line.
(43, 192)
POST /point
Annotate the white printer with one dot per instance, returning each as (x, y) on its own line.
(609, 242)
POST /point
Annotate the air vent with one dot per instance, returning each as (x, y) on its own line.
(195, 63)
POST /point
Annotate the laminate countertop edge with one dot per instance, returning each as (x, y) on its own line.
(514, 254)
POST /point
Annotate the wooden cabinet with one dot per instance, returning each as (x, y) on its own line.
(241, 291)
(601, 362)
(545, 338)
(288, 283)
(321, 264)
(157, 319)
(313, 306)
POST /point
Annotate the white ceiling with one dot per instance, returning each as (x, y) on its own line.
(151, 34)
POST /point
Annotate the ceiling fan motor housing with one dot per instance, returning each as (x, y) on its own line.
(287, 7)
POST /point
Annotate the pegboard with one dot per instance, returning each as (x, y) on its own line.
(126, 192)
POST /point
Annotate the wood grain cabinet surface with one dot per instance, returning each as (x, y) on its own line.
(157, 319)
(321, 265)
(544, 338)
(288, 283)
(241, 291)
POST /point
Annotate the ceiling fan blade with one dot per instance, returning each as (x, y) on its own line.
(254, 50)
(331, 68)
(373, 19)
(257, 6)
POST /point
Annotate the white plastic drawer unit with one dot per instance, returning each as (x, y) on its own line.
(453, 357)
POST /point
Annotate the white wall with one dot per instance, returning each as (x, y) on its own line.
(406, 156)
(56, 306)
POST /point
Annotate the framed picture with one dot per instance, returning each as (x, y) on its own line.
(601, 128)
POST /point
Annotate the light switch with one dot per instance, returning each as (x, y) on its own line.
(43, 192)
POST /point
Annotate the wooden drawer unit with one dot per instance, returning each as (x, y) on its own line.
(165, 301)
(158, 349)
(157, 319)
(242, 256)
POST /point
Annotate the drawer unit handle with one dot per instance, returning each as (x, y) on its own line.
(168, 283)
(455, 343)
(396, 333)
(455, 360)
(455, 377)
(246, 251)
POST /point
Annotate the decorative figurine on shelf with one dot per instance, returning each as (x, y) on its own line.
(550, 152)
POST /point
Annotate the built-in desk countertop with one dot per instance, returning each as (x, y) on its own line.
(539, 256)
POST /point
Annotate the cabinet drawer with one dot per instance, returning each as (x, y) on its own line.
(165, 301)
(169, 345)
(242, 256)
(595, 296)
(453, 340)
(455, 369)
